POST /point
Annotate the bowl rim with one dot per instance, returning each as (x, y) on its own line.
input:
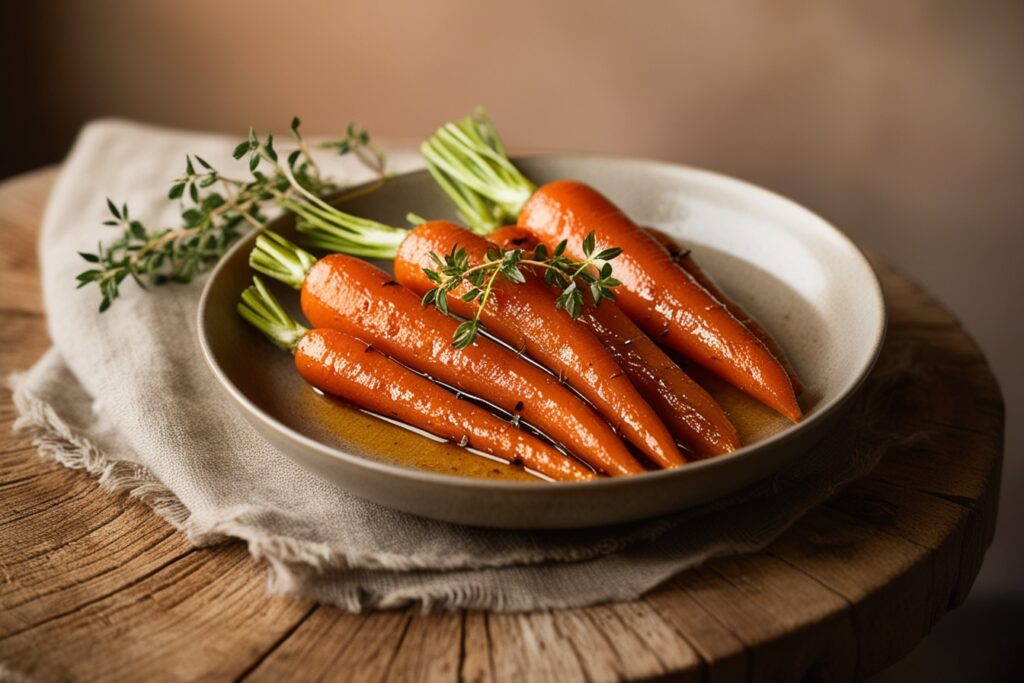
(540, 486)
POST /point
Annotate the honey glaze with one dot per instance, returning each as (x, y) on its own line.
(753, 420)
(340, 424)
(345, 426)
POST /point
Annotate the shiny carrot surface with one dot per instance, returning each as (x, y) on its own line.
(693, 416)
(659, 295)
(685, 259)
(353, 296)
(524, 316)
(343, 366)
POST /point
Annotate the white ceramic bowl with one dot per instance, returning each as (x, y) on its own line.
(793, 271)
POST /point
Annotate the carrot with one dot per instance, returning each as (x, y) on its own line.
(661, 297)
(685, 259)
(343, 366)
(693, 416)
(470, 164)
(347, 294)
(524, 315)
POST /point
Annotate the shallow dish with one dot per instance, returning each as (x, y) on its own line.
(793, 271)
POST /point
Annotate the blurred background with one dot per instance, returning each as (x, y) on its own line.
(901, 122)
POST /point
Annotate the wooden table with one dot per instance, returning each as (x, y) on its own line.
(94, 586)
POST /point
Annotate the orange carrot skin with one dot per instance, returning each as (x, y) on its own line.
(661, 297)
(348, 294)
(690, 412)
(514, 237)
(341, 365)
(525, 317)
(685, 259)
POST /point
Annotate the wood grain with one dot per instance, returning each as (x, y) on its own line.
(96, 587)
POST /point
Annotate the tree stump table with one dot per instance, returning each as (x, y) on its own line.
(96, 587)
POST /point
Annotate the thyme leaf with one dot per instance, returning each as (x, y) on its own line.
(571, 277)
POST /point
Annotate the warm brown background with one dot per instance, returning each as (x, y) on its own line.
(901, 121)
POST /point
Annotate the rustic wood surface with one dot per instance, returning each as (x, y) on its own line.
(95, 587)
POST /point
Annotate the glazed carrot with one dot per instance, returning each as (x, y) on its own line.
(470, 164)
(693, 416)
(685, 259)
(343, 366)
(524, 316)
(347, 294)
(659, 295)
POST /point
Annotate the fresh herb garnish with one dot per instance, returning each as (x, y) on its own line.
(216, 210)
(571, 277)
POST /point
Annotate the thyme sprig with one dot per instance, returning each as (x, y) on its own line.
(216, 209)
(571, 277)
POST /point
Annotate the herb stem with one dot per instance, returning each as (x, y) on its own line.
(485, 296)
(547, 265)
(169, 236)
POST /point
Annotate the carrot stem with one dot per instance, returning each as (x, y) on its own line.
(469, 162)
(278, 258)
(328, 227)
(475, 210)
(259, 307)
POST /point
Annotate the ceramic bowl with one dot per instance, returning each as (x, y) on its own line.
(796, 273)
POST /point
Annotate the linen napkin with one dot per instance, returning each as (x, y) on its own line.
(127, 397)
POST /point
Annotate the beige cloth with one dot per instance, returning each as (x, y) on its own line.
(127, 397)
